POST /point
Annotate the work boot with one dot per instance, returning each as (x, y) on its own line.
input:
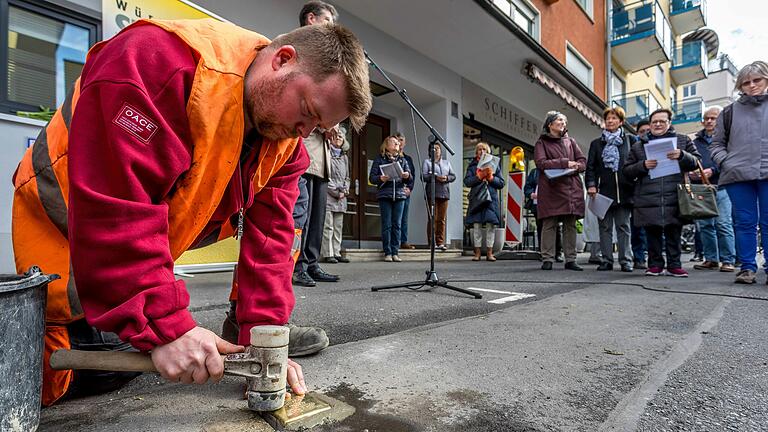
(489, 255)
(304, 341)
(477, 254)
(230, 330)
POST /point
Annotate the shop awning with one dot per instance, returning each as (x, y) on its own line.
(536, 74)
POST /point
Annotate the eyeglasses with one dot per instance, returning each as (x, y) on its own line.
(659, 122)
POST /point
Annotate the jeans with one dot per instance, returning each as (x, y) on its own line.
(404, 221)
(639, 243)
(667, 238)
(618, 216)
(717, 237)
(750, 207)
(391, 215)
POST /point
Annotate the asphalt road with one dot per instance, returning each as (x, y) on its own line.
(587, 351)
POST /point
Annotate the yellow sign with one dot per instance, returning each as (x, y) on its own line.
(118, 14)
(517, 159)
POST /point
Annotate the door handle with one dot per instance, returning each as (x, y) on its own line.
(357, 186)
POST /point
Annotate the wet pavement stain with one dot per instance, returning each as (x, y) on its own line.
(363, 419)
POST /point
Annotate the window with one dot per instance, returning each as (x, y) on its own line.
(578, 66)
(522, 13)
(618, 85)
(672, 95)
(689, 90)
(43, 51)
(660, 78)
(586, 6)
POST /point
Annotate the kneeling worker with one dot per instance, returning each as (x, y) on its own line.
(176, 135)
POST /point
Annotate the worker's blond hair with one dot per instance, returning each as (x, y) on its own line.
(327, 49)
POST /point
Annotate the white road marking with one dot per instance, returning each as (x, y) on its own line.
(489, 290)
(514, 297)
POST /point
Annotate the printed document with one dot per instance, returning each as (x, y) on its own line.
(558, 172)
(657, 149)
(599, 205)
(392, 170)
(488, 160)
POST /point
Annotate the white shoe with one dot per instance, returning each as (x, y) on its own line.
(443, 247)
(388, 258)
(396, 258)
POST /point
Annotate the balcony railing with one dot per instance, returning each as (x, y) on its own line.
(687, 15)
(637, 105)
(689, 63)
(641, 36)
(687, 111)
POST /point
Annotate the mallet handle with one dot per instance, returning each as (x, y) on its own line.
(102, 360)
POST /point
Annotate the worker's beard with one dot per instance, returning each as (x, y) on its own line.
(264, 95)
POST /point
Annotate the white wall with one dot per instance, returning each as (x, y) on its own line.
(15, 132)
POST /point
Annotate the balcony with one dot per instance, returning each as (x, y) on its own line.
(687, 15)
(687, 111)
(641, 35)
(689, 63)
(637, 105)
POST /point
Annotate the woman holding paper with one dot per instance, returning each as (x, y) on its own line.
(389, 173)
(561, 193)
(656, 207)
(738, 150)
(606, 182)
(442, 176)
(483, 208)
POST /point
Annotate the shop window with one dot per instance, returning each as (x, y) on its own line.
(43, 51)
(578, 65)
(522, 13)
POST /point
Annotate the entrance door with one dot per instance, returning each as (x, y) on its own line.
(362, 222)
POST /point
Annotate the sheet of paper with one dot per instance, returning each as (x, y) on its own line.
(599, 205)
(489, 160)
(391, 170)
(657, 149)
(558, 172)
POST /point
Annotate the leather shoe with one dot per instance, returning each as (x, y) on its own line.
(546, 265)
(320, 276)
(331, 260)
(559, 258)
(407, 246)
(303, 341)
(342, 259)
(573, 266)
(626, 268)
(606, 266)
(303, 279)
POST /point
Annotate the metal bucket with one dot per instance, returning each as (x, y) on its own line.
(22, 314)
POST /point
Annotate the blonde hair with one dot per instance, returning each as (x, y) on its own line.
(484, 145)
(327, 49)
(617, 111)
(759, 68)
(383, 147)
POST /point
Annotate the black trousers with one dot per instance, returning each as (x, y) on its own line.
(309, 215)
(666, 238)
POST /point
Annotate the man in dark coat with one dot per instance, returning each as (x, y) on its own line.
(656, 206)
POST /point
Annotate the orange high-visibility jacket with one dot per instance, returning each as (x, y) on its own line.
(214, 106)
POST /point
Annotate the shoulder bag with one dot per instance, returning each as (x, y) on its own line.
(697, 201)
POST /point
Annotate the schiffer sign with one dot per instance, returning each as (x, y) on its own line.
(498, 114)
(118, 14)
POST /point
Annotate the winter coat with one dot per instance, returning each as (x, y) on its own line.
(604, 179)
(531, 181)
(392, 189)
(702, 146)
(442, 168)
(338, 183)
(489, 213)
(563, 195)
(656, 199)
(409, 182)
(741, 150)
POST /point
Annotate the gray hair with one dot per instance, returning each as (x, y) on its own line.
(551, 117)
(717, 108)
(759, 68)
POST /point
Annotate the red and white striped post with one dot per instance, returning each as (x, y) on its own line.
(515, 197)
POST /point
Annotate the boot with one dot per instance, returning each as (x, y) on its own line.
(489, 255)
(477, 254)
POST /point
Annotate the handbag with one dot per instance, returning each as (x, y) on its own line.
(697, 201)
(479, 197)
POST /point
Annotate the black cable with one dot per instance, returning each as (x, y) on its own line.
(614, 283)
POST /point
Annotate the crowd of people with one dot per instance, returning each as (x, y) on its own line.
(643, 219)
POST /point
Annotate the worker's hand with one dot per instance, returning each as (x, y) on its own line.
(674, 154)
(195, 357)
(384, 178)
(592, 191)
(650, 163)
(296, 378)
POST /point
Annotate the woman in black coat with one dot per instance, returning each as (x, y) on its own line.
(486, 213)
(656, 207)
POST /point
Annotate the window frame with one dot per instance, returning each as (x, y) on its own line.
(578, 55)
(511, 11)
(48, 10)
(588, 9)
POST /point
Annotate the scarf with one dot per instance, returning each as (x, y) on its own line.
(611, 151)
(335, 151)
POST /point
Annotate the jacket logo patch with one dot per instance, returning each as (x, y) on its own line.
(136, 123)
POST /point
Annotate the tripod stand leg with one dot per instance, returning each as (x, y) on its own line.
(446, 285)
(402, 285)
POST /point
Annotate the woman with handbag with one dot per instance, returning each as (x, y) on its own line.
(656, 202)
(483, 208)
(560, 198)
(738, 150)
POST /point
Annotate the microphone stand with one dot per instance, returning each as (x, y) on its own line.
(432, 280)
